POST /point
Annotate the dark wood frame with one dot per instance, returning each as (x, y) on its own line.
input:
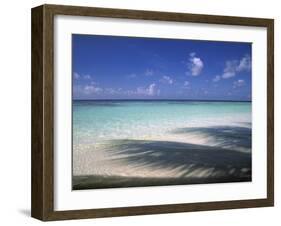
(42, 203)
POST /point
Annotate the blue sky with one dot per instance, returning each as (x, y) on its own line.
(111, 67)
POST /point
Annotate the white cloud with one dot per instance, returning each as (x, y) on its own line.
(230, 69)
(151, 89)
(90, 89)
(166, 80)
(93, 90)
(87, 90)
(148, 91)
(186, 85)
(233, 67)
(238, 83)
(76, 75)
(245, 64)
(87, 77)
(79, 76)
(110, 91)
(149, 72)
(216, 78)
(192, 54)
(195, 65)
(140, 91)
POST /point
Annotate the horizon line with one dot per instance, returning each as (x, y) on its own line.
(162, 100)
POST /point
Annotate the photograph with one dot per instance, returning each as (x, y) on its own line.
(150, 111)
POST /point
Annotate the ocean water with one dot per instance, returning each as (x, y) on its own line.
(94, 121)
(106, 132)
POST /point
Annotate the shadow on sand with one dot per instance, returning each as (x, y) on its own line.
(230, 137)
(195, 164)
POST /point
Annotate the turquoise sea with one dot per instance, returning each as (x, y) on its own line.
(123, 143)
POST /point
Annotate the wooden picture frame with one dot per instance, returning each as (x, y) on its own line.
(42, 205)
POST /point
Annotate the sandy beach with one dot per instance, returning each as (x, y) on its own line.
(127, 163)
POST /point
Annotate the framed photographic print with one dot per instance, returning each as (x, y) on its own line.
(141, 112)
